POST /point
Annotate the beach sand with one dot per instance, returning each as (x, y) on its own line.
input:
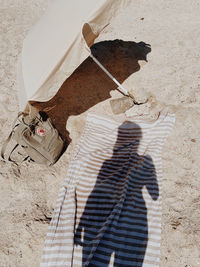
(170, 79)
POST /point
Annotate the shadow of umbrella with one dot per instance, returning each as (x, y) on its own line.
(89, 85)
(114, 220)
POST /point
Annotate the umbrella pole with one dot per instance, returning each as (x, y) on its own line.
(122, 89)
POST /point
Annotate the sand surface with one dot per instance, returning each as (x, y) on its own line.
(170, 79)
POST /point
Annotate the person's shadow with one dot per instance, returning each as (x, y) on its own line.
(114, 220)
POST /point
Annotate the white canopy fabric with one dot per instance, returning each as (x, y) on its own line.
(59, 42)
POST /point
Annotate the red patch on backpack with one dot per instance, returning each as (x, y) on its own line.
(41, 131)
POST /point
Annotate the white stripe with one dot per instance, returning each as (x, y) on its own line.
(59, 256)
(52, 263)
(65, 248)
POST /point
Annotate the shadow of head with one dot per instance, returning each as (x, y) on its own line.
(129, 134)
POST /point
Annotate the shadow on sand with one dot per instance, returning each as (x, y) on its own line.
(114, 221)
(89, 85)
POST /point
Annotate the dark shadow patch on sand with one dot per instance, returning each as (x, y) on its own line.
(89, 85)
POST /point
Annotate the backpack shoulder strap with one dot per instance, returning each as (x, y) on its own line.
(3, 149)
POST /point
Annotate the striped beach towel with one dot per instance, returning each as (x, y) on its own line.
(108, 212)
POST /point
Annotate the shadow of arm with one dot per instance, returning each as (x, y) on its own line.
(151, 182)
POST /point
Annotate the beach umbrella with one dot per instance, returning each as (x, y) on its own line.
(59, 42)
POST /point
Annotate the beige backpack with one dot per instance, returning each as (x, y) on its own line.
(38, 137)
